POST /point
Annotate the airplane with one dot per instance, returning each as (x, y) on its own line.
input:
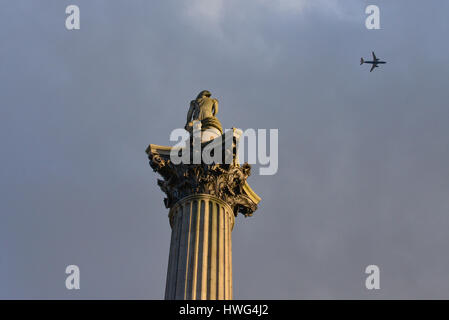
(375, 62)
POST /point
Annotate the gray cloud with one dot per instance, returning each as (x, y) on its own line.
(362, 178)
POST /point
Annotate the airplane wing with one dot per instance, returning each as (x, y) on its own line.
(372, 68)
(374, 57)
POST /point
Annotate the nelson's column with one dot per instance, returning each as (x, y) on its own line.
(203, 197)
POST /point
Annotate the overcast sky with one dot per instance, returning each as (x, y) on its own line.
(363, 157)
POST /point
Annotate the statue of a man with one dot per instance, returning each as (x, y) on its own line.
(203, 108)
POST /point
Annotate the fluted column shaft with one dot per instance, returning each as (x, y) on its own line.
(200, 259)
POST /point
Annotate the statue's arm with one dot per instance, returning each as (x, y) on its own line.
(215, 107)
(190, 112)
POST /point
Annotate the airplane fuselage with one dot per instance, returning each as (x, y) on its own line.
(375, 62)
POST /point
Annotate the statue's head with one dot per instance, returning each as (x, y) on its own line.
(204, 93)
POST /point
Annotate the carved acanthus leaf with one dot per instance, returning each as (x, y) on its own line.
(225, 181)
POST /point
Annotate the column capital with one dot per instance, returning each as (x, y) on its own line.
(224, 181)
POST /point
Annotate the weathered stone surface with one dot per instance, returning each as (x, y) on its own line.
(225, 181)
(200, 262)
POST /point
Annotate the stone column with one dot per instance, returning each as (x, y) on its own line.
(200, 260)
(203, 200)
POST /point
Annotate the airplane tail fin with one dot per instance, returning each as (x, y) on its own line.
(361, 61)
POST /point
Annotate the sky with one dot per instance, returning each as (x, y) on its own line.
(362, 179)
